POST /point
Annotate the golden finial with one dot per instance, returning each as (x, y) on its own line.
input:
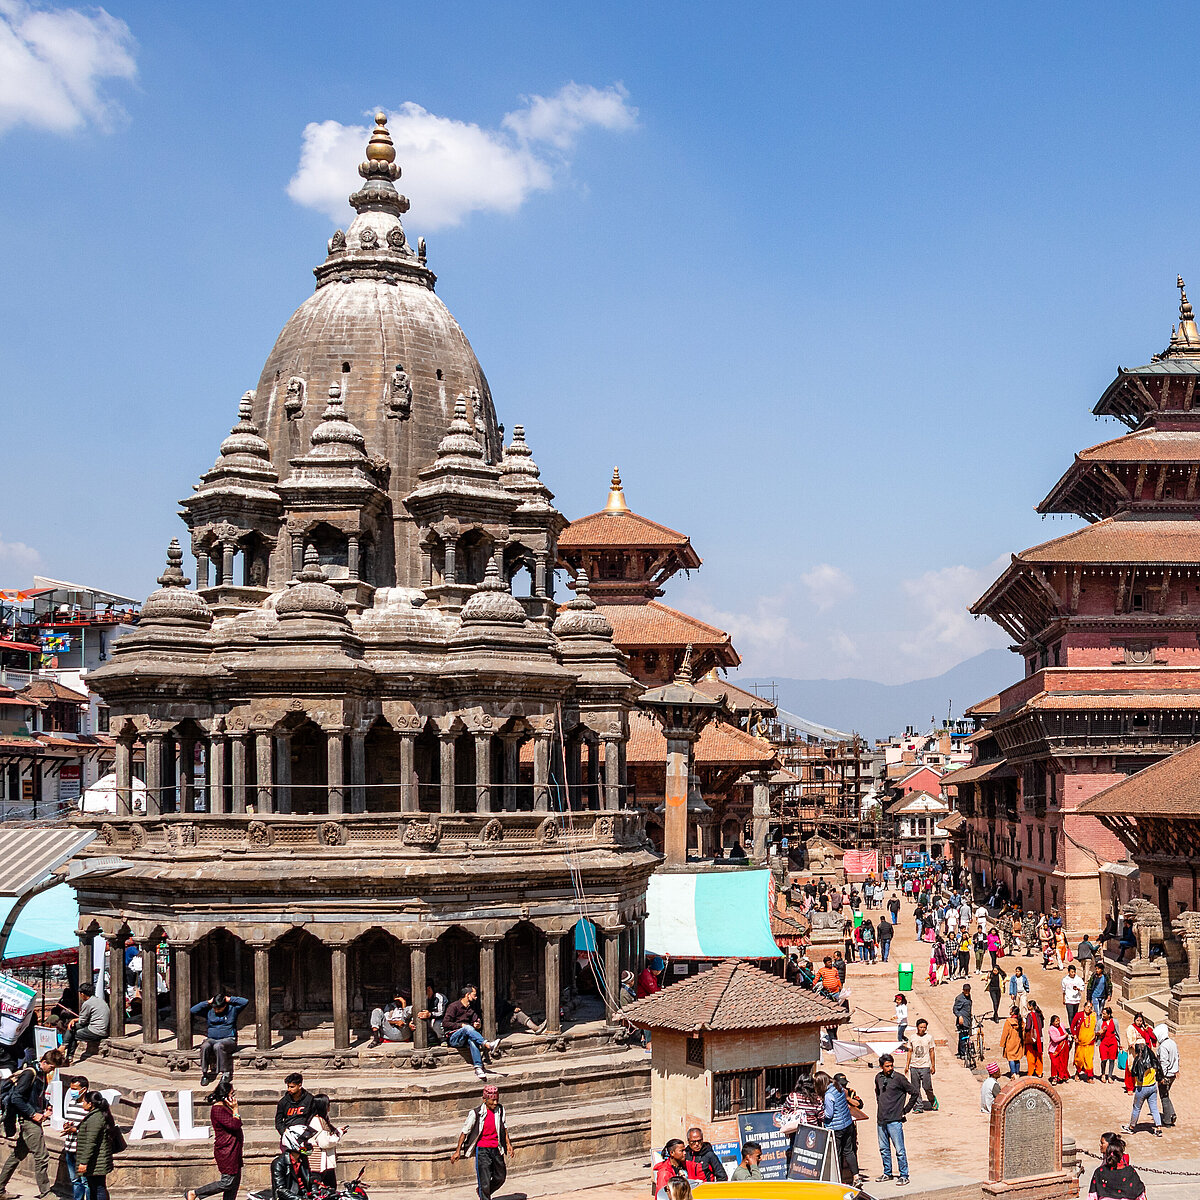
(380, 148)
(684, 674)
(616, 496)
(1188, 334)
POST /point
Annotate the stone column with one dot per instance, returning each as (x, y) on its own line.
(450, 568)
(181, 992)
(262, 998)
(149, 949)
(539, 573)
(612, 773)
(228, 550)
(237, 772)
(675, 829)
(426, 568)
(262, 755)
(352, 555)
(341, 998)
(553, 982)
(612, 970)
(86, 969)
(574, 774)
(154, 772)
(487, 985)
(409, 801)
(592, 793)
(447, 771)
(358, 771)
(335, 743)
(116, 987)
(512, 771)
(417, 976)
(124, 772)
(297, 553)
(283, 771)
(483, 773)
(760, 816)
(541, 772)
(201, 570)
(218, 800)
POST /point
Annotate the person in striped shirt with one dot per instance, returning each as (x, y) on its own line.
(73, 1114)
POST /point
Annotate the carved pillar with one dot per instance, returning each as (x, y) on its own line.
(86, 969)
(574, 772)
(217, 802)
(675, 830)
(760, 815)
(409, 801)
(483, 772)
(612, 971)
(612, 773)
(426, 568)
(124, 773)
(201, 570)
(154, 773)
(450, 569)
(358, 771)
(341, 998)
(181, 991)
(487, 985)
(352, 555)
(149, 949)
(446, 749)
(512, 771)
(283, 771)
(539, 573)
(592, 793)
(541, 771)
(417, 975)
(297, 553)
(262, 998)
(262, 760)
(228, 550)
(554, 982)
(116, 987)
(335, 749)
(237, 772)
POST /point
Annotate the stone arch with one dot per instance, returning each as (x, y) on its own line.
(475, 549)
(453, 961)
(301, 981)
(427, 764)
(520, 569)
(654, 831)
(332, 546)
(731, 833)
(378, 964)
(520, 971)
(381, 748)
(308, 769)
(222, 961)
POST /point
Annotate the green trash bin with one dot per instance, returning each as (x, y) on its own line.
(904, 977)
(858, 918)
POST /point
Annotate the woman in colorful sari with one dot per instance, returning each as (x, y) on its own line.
(1059, 1042)
(1138, 1032)
(1084, 1032)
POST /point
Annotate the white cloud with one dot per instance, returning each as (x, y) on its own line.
(827, 585)
(17, 563)
(54, 62)
(453, 168)
(764, 633)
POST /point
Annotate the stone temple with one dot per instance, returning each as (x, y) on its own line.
(370, 764)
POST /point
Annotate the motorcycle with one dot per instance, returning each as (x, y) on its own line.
(354, 1190)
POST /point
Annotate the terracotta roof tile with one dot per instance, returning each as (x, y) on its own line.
(1170, 788)
(951, 822)
(720, 744)
(1110, 701)
(979, 772)
(1147, 445)
(654, 624)
(732, 995)
(1126, 538)
(984, 708)
(737, 699)
(49, 689)
(622, 529)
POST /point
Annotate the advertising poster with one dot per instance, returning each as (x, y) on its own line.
(763, 1128)
(16, 1008)
(812, 1154)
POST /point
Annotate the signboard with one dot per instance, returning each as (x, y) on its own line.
(26, 789)
(16, 1009)
(813, 1154)
(44, 1039)
(68, 784)
(763, 1128)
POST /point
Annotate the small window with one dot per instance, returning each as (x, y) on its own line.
(735, 1092)
(102, 719)
(1041, 850)
(1029, 840)
(1138, 601)
(1054, 855)
(1183, 598)
(695, 1052)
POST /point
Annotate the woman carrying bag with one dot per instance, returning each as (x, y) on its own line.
(98, 1141)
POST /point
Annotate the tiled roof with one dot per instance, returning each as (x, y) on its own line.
(621, 529)
(50, 690)
(732, 995)
(1170, 788)
(991, 770)
(1147, 445)
(1110, 701)
(720, 744)
(1126, 538)
(654, 624)
(737, 699)
(984, 708)
(952, 822)
(785, 926)
(916, 802)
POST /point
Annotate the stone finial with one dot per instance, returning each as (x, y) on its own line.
(518, 458)
(460, 438)
(309, 594)
(685, 673)
(381, 153)
(616, 495)
(579, 617)
(173, 576)
(173, 604)
(244, 437)
(493, 601)
(312, 571)
(245, 406)
(335, 428)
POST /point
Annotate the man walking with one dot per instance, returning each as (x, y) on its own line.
(31, 1107)
(221, 1017)
(1072, 990)
(486, 1134)
(894, 1097)
(461, 1024)
(921, 1065)
(962, 1017)
(1168, 1061)
(884, 932)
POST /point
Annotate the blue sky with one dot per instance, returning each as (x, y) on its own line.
(835, 287)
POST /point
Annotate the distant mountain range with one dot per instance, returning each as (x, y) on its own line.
(876, 710)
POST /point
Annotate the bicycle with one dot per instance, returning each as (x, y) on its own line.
(974, 1047)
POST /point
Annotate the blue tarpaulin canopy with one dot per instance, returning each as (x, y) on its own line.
(710, 914)
(46, 925)
(585, 937)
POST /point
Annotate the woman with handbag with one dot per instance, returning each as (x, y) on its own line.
(97, 1141)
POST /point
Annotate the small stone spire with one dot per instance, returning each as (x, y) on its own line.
(244, 437)
(173, 576)
(312, 571)
(379, 169)
(616, 495)
(335, 428)
(518, 458)
(685, 674)
(460, 438)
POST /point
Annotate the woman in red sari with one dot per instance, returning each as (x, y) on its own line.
(1059, 1042)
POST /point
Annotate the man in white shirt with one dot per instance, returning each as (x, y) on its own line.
(990, 1089)
(921, 1065)
(1168, 1060)
(1072, 990)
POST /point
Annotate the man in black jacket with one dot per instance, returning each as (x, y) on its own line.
(296, 1106)
(291, 1176)
(894, 1097)
(884, 932)
(962, 1017)
(701, 1152)
(28, 1103)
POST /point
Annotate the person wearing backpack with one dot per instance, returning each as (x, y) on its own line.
(25, 1107)
(98, 1140)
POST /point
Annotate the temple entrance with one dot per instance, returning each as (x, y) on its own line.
(383, 768)
(453, 962)
(521, 972)
(309, 769)
(301, 981)
(378, 965)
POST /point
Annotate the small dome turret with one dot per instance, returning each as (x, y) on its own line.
(309, 595)
(173, 604)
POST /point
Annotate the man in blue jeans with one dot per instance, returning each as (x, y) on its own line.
(461, 1024)
(894, 1097)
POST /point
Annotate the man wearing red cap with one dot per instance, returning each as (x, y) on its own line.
(486, 1133)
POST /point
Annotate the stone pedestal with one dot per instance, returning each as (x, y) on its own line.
(1025, 1146)
(1183, 1009)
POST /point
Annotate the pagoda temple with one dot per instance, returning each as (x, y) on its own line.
(1106, 619)
(624, 561)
